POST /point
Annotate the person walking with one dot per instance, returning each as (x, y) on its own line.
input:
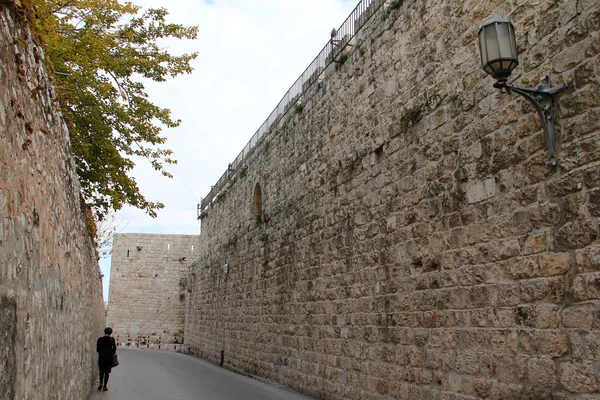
(106, 348)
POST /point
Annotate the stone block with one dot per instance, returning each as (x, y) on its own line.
(588, 259)
(542, 372)
(521, 267)
(578, 377)
(537, 316)
(593, 17)
(8, 360)
(566, 184)
(551, 343)
(586, 287)
(568, 11)
(551, 290)
(580, 126)
(592, 345)
(581, 100)
(580, 316)
(481, 190)
(592, 175)
(536, 242)
(554, 263)
(577, 343)
(594, 203)
(592, 48)
(577, 234)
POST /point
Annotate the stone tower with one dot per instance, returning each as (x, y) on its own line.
(147, 288)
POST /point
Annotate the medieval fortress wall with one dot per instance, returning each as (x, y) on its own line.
(402, 235)
(147, 292)
(51, 308)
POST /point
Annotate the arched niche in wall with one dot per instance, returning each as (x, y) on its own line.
(257, 201)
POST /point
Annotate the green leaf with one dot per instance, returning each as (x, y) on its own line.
(98, 50)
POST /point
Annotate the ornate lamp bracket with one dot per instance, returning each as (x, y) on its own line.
(541, 98)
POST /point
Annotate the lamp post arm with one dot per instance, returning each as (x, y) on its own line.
(541, 90)
(541, 99)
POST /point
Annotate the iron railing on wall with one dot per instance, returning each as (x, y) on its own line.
(339, 39)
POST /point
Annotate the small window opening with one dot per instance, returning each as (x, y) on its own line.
(127, 253)
(257, 202)
(192, 248)
(168, 246)
(378, 154)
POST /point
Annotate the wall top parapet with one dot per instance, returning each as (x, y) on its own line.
(339, 39)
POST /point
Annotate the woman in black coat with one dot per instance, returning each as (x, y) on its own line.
(106, 348)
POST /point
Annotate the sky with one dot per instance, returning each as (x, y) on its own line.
(250, 53)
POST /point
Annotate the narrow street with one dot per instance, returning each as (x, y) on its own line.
(164, 375)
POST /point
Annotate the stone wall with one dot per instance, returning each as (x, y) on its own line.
(51, 308)
(413, 243)
(147, 292)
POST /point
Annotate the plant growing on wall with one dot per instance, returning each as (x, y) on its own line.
(343, 57)
(98, 52)
(411, 117)
(396, 4)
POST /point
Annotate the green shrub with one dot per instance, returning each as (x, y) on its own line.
(343, 57)
(396, 4)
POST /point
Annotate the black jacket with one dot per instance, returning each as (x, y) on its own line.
(106, 347)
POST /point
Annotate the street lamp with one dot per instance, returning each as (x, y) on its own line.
(499, 57)
(498, 48)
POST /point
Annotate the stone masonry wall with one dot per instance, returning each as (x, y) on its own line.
(413, 243)
(51, 308)
(147, 292)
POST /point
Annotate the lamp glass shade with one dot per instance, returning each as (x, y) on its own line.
(498, 47)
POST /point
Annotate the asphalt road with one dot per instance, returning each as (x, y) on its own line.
(164, 375)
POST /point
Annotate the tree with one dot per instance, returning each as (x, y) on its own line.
(97, 51)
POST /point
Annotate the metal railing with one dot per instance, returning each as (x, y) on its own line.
(339, 39)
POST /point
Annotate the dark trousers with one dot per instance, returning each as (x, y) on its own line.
(104, 377)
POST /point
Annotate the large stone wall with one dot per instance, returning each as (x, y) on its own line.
(51, 308)
(147, 292)
(413, 243)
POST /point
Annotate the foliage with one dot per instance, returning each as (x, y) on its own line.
(411, 117)
(98, 51)
(298, 107)
(343, 57)
(90, 225)
(396, 4)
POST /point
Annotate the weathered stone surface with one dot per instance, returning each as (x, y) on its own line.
(577, 234)
(579, 377)
(594, 203)
(414, 244)
(555, 264)
(586, 287)
(51, 308)
(581, 316)
(147, 297)
(8, 320)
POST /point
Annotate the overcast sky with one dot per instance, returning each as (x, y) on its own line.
(250, 53)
